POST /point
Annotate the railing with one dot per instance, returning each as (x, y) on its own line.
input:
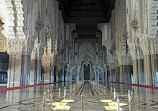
(48, 95)
(100, 89)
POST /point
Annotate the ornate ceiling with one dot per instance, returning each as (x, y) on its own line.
(86, 14)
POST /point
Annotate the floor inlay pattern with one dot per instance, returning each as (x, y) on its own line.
(30, 99)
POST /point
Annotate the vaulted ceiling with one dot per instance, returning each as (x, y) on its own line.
(86, 14)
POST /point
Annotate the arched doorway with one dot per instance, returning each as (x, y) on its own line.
(4, 57)
(86, 72)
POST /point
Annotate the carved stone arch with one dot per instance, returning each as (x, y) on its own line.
(12, 19)
(3, 43)
(84, 59)
(87, 61)
(86, 49)
(19, 13)
(7, 15)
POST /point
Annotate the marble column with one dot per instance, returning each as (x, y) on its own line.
(14, 70)
(113, 75)
(125, 72)
(63, 73)
(39, 67)
(121, 73)
(17, 67)
(78, 73)
(117, 74)
(67, 74)
(105, 73)
(98, 73)
(71, 74)
(154, 64)
(57, 74)
(66, 77)
(148, 70)
(52, 74)
(46, 75)
(128, 74)
(140, 71)
(135, 71)
(110, 75)
(102, 73)
(34, 69)
(92, 74)
(26, 69)
(33, 72)
(82, 73)
(11, 71)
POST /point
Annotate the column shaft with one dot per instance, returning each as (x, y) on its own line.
(117, 74)
(39, 66)
(140, 72)
(33, 73)
(57, 74)
(52, 74)
(148, 70)
(78, 72)
(67, 74)
(26, 69)
(10, 71)
(125, 73)
(135, 71)
(14, 71)
(63, 73)
(154, 63)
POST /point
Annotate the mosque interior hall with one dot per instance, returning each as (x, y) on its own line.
(79, 55)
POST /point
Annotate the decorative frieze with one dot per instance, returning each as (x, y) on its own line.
(153, 45)
(149, 45)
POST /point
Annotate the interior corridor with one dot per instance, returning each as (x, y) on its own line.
(91, 55)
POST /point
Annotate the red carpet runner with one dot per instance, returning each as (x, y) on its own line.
(144, 86)
(22, 87)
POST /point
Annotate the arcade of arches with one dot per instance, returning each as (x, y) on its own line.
(46, 41)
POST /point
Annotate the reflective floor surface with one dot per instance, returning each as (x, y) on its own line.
(30, 99)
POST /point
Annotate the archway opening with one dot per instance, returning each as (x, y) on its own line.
(86, 72)
(4, 57)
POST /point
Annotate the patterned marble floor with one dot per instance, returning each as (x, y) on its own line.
(30, 99)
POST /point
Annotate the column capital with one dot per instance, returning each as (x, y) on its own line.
(144, 44)
(148, 45)
(18, 47)
(153, 43)
(37, 53)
